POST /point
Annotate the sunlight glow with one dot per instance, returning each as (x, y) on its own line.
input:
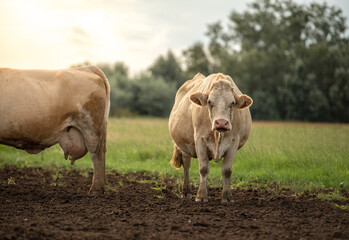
(65, 33)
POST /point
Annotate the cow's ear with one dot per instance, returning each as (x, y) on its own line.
(199, 98)
(243, 101)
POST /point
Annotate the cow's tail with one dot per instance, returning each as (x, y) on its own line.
(103, 128)
(176, 160)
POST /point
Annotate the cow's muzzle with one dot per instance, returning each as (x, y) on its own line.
(221, 125)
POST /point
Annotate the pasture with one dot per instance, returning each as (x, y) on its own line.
(300, 156)
(290, 180)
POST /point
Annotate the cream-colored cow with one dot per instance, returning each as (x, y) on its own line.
(40, 108)
(210, 119)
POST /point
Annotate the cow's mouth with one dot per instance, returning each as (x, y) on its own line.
(221, 129)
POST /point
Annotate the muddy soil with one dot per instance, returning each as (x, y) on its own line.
(44, 204)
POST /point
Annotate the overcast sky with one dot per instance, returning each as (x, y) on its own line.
(59, 33)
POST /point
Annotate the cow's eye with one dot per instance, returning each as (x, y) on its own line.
(209, 102)
(232, 104)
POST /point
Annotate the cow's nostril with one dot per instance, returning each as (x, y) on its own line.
(221, 123)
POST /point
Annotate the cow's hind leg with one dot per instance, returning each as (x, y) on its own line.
(98, 180)
(94, 120)
(96, 146)
(178, 159)
(204, 169)
(186, 188)
(98, 160)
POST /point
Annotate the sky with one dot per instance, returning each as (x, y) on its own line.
(52, 34)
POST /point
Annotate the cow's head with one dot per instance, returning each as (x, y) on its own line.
(220, 102)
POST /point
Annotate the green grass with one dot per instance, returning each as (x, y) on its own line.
(303, 157)
(335, 195)
(331, 196)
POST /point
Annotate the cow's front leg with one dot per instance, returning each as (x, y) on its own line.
(98, 179)
(204, 169)
(226, 173)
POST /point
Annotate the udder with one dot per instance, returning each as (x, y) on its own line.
(72, 144)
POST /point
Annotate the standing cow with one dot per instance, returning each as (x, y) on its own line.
(40, 108)
(210, 119)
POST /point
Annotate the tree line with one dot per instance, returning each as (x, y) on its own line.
(291, 58)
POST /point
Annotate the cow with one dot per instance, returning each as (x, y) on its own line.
(40, 108)
(210, 119)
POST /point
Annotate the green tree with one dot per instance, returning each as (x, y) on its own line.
(196, 60)
(168, 68)
(153, 96)
(291, 58)
(121, 94)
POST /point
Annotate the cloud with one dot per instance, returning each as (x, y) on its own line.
(58, 33)
(79, 36)
(132, 31)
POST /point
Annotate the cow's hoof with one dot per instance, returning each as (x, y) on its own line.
(227, 197)
(187, 196)
(201, 199)
(227, 200)
(94, 192)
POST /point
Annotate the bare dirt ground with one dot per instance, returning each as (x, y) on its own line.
(43, 204)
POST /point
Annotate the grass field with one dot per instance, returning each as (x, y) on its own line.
(300, 156)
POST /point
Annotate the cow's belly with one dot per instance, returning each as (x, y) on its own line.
(184, 143)
(30, 145)
(188, 149)
(32, 138)
(32, 128)
(70, 140)
(184, 140)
